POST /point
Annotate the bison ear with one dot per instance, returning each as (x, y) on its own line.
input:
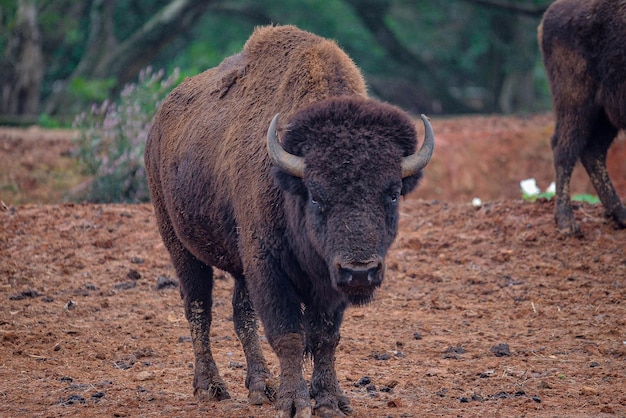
(409, 183)
(288, 183)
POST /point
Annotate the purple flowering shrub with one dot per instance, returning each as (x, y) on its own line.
(111, 139)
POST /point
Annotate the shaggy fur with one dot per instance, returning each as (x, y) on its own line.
(584, 53)
(285, 240)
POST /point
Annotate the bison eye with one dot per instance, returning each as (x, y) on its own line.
(315, 201)
(393, 196)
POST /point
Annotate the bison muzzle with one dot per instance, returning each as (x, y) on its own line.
(301, 212)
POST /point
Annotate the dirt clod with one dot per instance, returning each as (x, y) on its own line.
(501, 350)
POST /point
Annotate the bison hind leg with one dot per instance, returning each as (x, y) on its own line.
(593, 159)
(196, 288)
(261, 385)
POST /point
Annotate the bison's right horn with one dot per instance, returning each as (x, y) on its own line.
(414, 163)
(289, 163)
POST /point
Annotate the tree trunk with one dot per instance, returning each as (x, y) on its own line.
(22, 70)
(106, 57)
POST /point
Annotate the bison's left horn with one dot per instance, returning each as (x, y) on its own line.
(414, 163)
(291, 164)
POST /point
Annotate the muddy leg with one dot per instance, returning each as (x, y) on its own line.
(196, 287)
(567, 146)
(280, 308)
(323, 337)
(594, 160)
(293, 396)
(260, 384)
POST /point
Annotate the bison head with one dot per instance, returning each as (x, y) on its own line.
(344, 164)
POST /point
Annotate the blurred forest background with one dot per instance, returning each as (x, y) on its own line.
(431, 56)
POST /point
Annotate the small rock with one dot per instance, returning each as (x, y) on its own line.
(97, 395)
(381, 356)
(589, 391)
(394, 403)
(453, 352)
(26, 294)
(235, 365)
(72, 399)
(501, 350)
(144, 375)
(70, 305)
(165, 282)
(126, 362)
(476, 397)
(364, 381)
(125, 285)
(133, 274)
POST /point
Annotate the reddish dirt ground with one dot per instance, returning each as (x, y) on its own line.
(484, 311)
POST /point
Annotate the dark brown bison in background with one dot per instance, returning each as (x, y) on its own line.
(584, 51)
(303, 227)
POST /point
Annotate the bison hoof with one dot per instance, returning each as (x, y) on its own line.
(569, 227)
(296, 404)
(333, 407)
(299, 413)
(328, 412)
(215, 392)
(620, 217)
(262, 390)
(571, 231)
(262, 397)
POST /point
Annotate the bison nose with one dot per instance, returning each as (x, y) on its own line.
(360, 274)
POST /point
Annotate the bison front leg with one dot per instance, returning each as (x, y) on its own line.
(293, 396)
(564, 215)
(323, 338)
(261, 386)
(276, 302)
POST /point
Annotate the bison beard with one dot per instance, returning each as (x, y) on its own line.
(583, 48)
(304, 228)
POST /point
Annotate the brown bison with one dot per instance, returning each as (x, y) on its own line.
(584, 52)
(302, 223)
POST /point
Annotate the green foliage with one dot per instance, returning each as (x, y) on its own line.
(530, 192)
(111, 139)
(481, 55)
(91, 90)
(46, 121)
(534, 197)
(587, 198)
